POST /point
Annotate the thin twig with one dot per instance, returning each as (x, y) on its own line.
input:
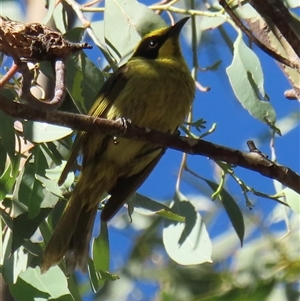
(11, 72)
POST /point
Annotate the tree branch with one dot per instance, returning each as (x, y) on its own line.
(281, 18)
(35, 42)
(252, 161)
(249, 34)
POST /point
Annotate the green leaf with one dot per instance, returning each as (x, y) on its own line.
(187, 243)
(93, 276)
(147, 206)
(99, 265)
(76, 34)
(124, 24)
(39, 132)
(60, 17)
(50, 181)
(51, 185)
(13, 263)
(29, 190)
(232, 209)
(3, 158)
(50, 8)
(101, 249)
(293, 199)
(246, 78)
(245, 11)
(7, 134)
(1, 239)
(24, 227)
(98, 278)
(234, 213)
(83, 80)
(32, 285)
(6, 182)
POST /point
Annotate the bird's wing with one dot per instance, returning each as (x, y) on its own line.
(125, 187)
(107, 94)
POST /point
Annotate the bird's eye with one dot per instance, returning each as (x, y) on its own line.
(153, 44)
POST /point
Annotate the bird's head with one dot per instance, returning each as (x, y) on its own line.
(161, 43)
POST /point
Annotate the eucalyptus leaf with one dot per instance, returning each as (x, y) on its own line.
(83, 81)
(24, 227)
(147, 206)
(292, 3)
(101, 255)
(50, 8)
(30, 190)
(7, 182)
(59, 17)
(246, 78)
(232, 209)
(39, 132)
(13, 263)
(187, 243)
(51, 185)
(98, 278)
(245, 11)
(7, 134)
(32, 285)
(208, 23)
(124, 24)
(293, 199)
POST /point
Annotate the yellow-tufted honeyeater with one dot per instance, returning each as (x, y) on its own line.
(154, 89)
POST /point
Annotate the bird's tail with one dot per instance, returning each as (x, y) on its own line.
(72, 235)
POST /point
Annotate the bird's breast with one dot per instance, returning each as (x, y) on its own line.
(157, 95)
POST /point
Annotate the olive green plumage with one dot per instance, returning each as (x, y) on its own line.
(153, 89)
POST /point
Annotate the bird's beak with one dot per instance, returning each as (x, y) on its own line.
(176, 28)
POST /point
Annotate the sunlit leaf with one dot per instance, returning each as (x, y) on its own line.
(51, 6)
(6, 182)
(60, 17)
(147, 206)
(246, 78)
(51, 178)
(83, 81)
(293, 199)
(124, 24)
(187, 243)
(32, 285)
(245, 11)
(44, 132)
(207, 23)
(13, 263)
(292, 3)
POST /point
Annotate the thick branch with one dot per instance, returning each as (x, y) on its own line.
(249, 34)
(281, 17)
(252, 161)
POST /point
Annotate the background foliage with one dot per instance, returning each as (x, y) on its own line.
(157, 256)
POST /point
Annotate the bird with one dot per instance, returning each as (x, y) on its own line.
(153, 89)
